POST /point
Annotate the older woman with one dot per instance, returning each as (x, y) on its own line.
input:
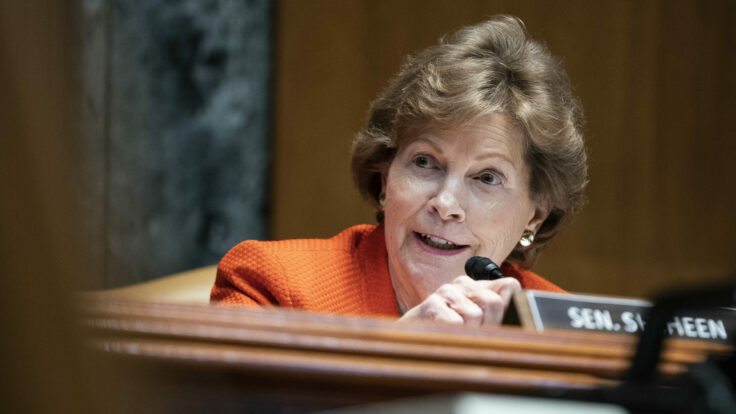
(474, 149)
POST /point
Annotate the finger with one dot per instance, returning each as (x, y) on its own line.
(503, 290)
(506, 287)
(477, 291)
(471, 313)
(437, 308)
(457, 300)
(447, 315)
(434, 308)
(484, 295)
(492, 296)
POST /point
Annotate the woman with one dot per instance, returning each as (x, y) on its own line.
(474, 149)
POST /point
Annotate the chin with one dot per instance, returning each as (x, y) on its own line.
(432, 275)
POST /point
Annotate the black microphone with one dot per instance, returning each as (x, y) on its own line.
(482, 268)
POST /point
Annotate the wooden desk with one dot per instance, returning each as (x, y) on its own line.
(276, 358)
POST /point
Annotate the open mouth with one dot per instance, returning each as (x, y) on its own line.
(438, 243)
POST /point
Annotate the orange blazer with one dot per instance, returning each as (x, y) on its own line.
(346, 274)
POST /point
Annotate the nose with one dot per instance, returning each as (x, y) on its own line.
(446, 202)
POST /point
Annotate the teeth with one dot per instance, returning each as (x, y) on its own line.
(437, 242)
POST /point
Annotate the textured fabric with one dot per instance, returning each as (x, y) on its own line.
(346, 274)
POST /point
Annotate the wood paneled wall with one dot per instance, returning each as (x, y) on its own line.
(657, 82)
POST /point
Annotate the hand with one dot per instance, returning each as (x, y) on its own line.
(467, 301)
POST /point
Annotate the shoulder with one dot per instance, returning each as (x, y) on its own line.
(254, 253)
(291, 273)
(529, 279)
(348, 239)
(250, 273)
(254, 250)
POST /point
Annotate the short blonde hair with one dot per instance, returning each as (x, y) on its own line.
(489, 67)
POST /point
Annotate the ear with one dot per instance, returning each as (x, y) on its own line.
(541, 211)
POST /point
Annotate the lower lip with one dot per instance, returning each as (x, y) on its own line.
(434, 250)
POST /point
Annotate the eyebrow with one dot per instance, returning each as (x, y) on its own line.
(480, 157)
(493, 154)
(429, 141)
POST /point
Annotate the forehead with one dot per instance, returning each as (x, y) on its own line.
(494, 132)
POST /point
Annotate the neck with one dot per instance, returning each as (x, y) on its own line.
(406, 295)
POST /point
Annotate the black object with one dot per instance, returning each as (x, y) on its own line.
(482, 268)
(645, 361)
(707, 387)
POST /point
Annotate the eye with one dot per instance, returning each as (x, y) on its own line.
(423, 161)
(489, 178)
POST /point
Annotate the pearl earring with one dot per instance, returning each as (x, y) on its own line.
(527, 238)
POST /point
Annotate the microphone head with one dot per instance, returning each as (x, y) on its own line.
(482, 268)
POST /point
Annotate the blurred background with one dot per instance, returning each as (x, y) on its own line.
(656, 79)
(211, 122)
(176, 112)
(202, 123)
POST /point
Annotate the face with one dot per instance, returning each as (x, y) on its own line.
(452, 194)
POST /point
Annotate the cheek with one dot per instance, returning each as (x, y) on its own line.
(498, 226)
(405, 194)
(396, 209)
